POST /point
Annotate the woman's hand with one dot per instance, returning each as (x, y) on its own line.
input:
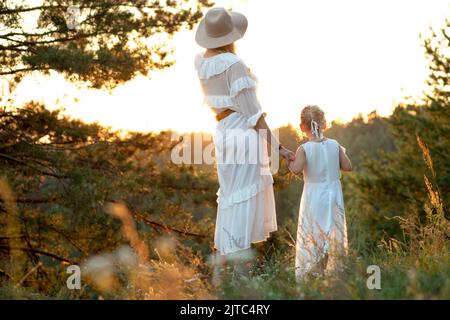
(287, 154)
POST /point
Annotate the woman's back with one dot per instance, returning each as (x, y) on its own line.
(227, 84)
(246, 204)
(322, 161)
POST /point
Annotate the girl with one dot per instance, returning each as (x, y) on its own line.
(321, 233)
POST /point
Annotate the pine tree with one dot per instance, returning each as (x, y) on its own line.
(389, 187)
(103, 43)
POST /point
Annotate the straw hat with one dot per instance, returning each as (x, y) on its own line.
(220, 27)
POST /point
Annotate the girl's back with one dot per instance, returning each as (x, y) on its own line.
(322, 161)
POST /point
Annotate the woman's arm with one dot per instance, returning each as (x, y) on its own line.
(263, 128)
(298, 164)
(243, 91)
(344, 160)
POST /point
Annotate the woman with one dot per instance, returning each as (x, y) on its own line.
(246, 206)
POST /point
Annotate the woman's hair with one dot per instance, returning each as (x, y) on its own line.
(314, 118)
(231, 48)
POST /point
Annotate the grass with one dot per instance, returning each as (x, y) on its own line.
(416, 268)
(411, 271)
(403, 276)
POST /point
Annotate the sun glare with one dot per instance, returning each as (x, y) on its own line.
(350, 57)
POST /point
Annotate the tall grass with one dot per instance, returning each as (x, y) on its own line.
(15, 267)
(168, 270)
(417, 267)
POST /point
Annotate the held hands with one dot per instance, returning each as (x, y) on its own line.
(287, 154)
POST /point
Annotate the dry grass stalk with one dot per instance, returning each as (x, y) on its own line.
(13, 232)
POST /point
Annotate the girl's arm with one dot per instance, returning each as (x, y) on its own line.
(344, 160)
(298, 164)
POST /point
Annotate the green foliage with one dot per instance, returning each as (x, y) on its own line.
(63, 171)
(390, 186)
(363, 139)
(112, 43)
(60, 176)
(396, 206)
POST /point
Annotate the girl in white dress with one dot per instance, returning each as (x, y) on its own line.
(246, 205)
(321, 232)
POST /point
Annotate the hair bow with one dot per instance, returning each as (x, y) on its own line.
(315, 130)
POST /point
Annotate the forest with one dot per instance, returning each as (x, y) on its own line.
(141, 227)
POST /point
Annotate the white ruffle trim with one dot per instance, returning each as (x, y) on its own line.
(208, 67)
(218, 101)
(251, 122)
(244, 194)
(241, 84)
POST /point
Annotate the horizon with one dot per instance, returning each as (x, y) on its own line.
(373, 67)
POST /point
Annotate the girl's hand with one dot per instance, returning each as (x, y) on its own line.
(287, 154)
(298, 164)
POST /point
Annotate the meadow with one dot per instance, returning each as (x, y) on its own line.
(76, 194)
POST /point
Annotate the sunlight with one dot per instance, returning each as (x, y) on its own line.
(350, 57)
(134, 192)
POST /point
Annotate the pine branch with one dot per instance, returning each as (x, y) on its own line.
(37, 200)
(14, 71)
(21, 162)
(158, 225)
(38, 252)
(4, 273)
(165, 227)
(29, 9)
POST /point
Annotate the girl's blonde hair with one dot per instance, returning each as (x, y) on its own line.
(231, 48)
(314, 118)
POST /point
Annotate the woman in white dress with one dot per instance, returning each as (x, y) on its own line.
(322, 232)
(246, 206)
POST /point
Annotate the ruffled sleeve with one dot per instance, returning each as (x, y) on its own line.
(243, 93)
(207, 68)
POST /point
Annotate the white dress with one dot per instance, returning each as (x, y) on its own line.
(246, 205)
(321, 226)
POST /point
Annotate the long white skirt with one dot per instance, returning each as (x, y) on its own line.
(246, 205)
(322, 231)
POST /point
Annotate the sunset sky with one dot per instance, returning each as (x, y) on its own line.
(348, 56)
